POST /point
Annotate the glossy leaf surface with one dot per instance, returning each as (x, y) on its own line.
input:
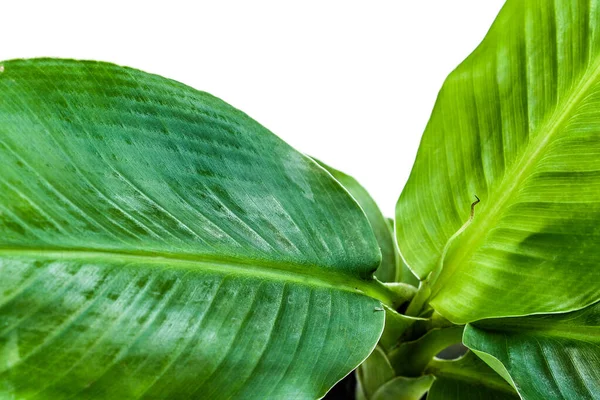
(158, 243)
(517, 124)
(547, 356)
(467, 378)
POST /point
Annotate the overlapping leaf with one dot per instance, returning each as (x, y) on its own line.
(390, 269)
(157, 243)
(375, 372)
(467, 378)
(517, 124)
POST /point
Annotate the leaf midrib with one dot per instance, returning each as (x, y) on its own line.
(541, 327)
(511, 181)
(262, 269)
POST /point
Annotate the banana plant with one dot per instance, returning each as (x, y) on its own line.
(157, 243)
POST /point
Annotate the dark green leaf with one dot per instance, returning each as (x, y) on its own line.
(158, 243)
(388, 271)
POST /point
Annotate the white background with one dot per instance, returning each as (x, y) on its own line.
(351, 83)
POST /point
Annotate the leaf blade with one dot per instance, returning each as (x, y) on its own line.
(509, 126)
(158, 242)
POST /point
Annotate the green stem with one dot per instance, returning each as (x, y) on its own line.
(390, 296)
(411, 358)
(455, 370)
(418, 302)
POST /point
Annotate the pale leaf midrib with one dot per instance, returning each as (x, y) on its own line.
(259, 269)
(438, 369)
(511, 181)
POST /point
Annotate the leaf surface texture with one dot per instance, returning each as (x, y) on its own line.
(158, 243)
(517, 124)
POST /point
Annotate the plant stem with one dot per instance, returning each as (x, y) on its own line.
(390, 296)
(421, 297)
(411, 358)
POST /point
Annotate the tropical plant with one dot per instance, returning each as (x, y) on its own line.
(157, 243)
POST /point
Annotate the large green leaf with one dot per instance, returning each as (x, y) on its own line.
(157, 243)
(547, 356)
(390, 268)
(517, 124)
(467, 378)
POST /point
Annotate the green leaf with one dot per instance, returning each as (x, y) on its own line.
(158, 243)
(517, 125)
(551, 356)
(396, 325)
(388, 270)
(376, 381)
(401, 388)
(467, 378)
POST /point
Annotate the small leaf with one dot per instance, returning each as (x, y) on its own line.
(467, 378)
(376, 381)
(374, 373)
(553, 356)
(401, 388)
